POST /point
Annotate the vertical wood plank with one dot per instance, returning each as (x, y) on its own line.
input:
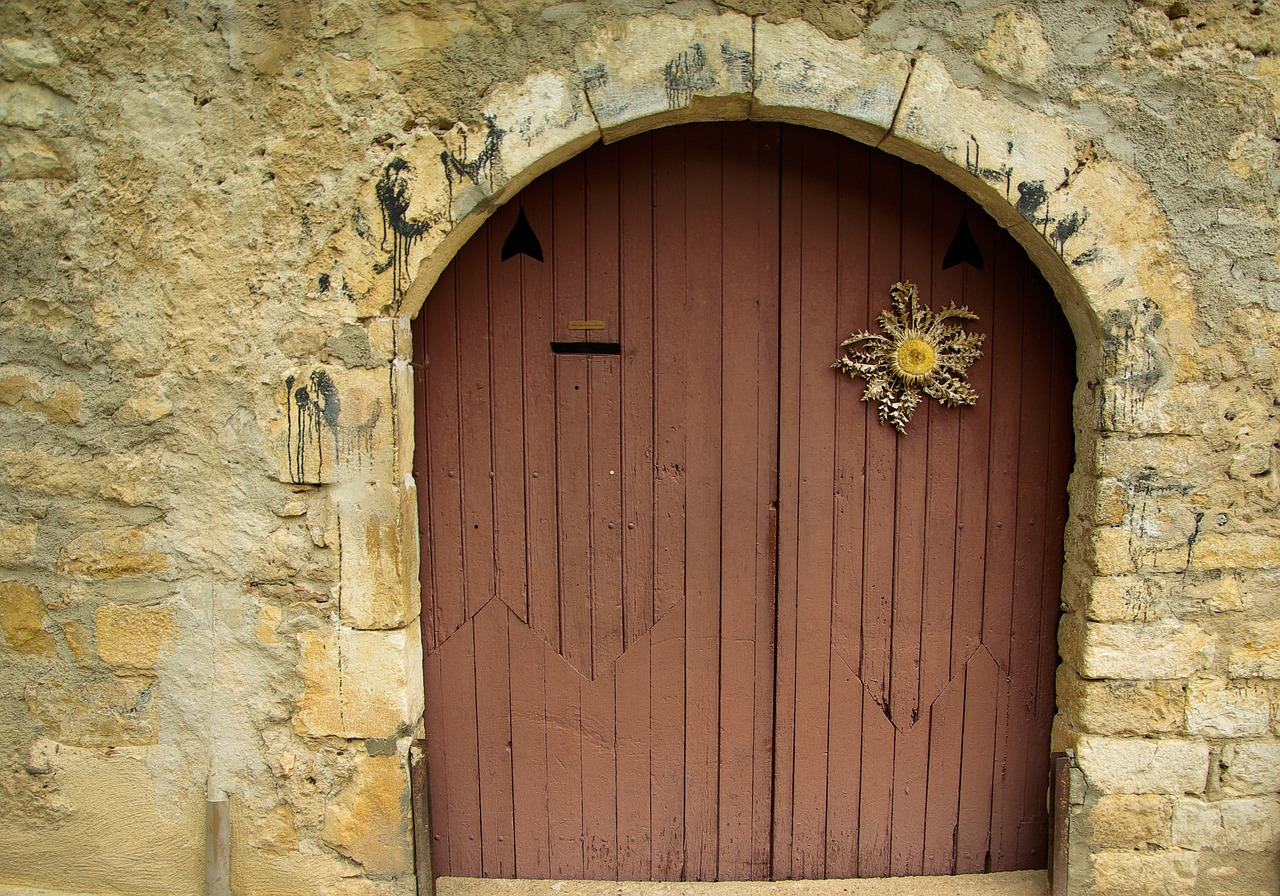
(670, 390)
(980, 703)
(564, 769)
(666, 738)
(703, 509)
(636, 331)
(493, 733)
(634, 764)
(815, 512)
(531, 785)
(462, 782)
(475, 422)
(789, 421)
(876, 809)
(506, 403)
(447, 598)
(767, 272)
(437, 763)
(599, 778)
(942, 809)
(542, 564)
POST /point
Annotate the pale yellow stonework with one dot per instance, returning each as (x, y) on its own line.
(134, 637)
(209, 575)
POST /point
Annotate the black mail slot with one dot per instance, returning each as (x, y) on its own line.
(586, 348)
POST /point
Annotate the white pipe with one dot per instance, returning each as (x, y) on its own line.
(217, 842)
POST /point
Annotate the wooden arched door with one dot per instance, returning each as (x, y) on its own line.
(690, 610)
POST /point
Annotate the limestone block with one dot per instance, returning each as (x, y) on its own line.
(359, 683)
(31, 106)
(129, 479)
(78, 640)
(1127, 873)
(1135, 651)
(1258, 653)
(1105, 223)
(406, 398)
(368, 820)
(60, 403)
(24, 156)
(1236, 551)
(111, 554)
(1218, 708)
(1245, 825)
(544, 121)
(379, 537)
(134, 637)
(1121, 707)
(17, 541)
(1113, 551)
(1254, 768)
(645, 72)
(22, 616)
(109, 712)
(1126, 599)
(1141, 765)
(1016, 155)
(1135, 821)
(801, 72)
(332, 424)
(402, 42)
(1016, 49)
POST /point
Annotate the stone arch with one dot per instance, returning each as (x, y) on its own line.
(1089, 224)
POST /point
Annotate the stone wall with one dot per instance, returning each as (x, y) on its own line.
(217, 218)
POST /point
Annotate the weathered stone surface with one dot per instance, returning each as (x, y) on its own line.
(1016, 49)
(1121, 707)
(367, 821)
(1218, 708)
(1132, 821)
(1245, 825)
(377, 570)
(358, 683)
(1164, 649)
(1257, 655)
(24, 156)
(801, 73)
(108, 712)
(1253, 768)
(1125, 873)
(274, 831)
(111, 554)
(17, 541)
(332, 422)
(78, 640)
(1214, 551)
(134, 637)
(60, 403)
(1013, 154)
(118, 477)
(1140, 765)
(22, 617)
(660, 70)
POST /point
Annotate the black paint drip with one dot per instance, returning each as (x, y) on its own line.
(522, 240)
(317, 407)
(963, 248)
(392, 191)
(459, 168)
(686, 74)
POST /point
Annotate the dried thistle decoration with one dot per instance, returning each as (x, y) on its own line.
(918, 353)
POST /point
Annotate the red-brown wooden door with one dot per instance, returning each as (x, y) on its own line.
(690, 610)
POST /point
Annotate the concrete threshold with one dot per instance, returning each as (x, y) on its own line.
(1008, 883)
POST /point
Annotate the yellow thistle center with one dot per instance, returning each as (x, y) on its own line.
(915, 359)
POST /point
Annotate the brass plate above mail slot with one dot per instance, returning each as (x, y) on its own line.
(586, 325)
